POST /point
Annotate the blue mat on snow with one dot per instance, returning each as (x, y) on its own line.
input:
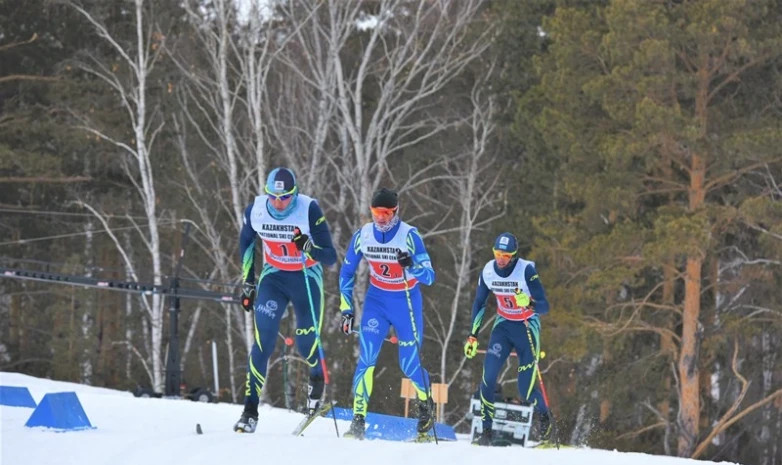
(61, 411)
(16, 396)
(393, 428)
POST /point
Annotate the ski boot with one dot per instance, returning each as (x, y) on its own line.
(357, 427)
(314, 394)
(249, 419)
(484, 439)
(425, 415)
(544, 429)
(545, 426)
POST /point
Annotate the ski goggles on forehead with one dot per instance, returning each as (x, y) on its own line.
(383, 212)
(283, 196)
(502, 254)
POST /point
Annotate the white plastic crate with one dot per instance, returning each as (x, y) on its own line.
(512, 422)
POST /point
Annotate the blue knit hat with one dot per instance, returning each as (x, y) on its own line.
(281, 181)
(506, 242)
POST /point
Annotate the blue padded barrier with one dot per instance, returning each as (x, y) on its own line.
(61, 411)
(393, 428)
(16, 396)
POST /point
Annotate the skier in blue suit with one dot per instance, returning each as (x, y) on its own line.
(288, 224)
(398, 262)
(520, 300)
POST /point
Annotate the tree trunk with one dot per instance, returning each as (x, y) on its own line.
(769, 445)
(87, 318)
(667, 344)
(689, 391)
(605, 402)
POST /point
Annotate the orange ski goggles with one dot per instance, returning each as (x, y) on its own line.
(383, 212)
(503, 254)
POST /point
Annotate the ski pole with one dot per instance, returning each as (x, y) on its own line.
(316, 325)
(418, 347)
(536, 354)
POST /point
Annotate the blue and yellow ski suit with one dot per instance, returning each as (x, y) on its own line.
(282, 281)
(509, 331)
(393, 299)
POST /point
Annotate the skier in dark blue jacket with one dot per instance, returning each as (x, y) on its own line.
(520, 300)
(288, 224)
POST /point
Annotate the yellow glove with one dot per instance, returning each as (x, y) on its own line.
(522, 299)
(471, 346)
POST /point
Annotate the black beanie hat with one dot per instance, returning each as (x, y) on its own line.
(385, 198)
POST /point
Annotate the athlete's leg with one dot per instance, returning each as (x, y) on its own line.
(410, 339)
(270, 304)
(528, 376)
(374, 327)
(306, 338)
(306, 334)
(497, 352)
(407, 318)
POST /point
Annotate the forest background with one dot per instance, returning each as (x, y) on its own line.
(632, 146)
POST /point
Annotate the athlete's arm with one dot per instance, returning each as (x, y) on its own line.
(479, 305)
(247, 247)
(348, 271)
(536, 290)
(422, 265)
(322, 246)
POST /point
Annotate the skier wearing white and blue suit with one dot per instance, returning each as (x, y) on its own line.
(288, 224)
(521, 299)
(398, 262)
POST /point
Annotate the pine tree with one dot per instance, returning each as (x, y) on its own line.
(645, 107)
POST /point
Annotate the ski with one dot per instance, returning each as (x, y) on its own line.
(307, 421)
(422, 438)
(550, 445)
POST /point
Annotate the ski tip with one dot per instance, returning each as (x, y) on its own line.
(198, 429)
(422, 438)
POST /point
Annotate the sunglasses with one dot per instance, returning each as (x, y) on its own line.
(503, 254)
(283, 196)
(383, 212)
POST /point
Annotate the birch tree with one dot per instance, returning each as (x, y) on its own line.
(89, 311)
(129, 77)
(364, 108)
(473, 189)
(211, 89)
(198, 189)
(302, 112)
(408, 53)
(210, 104)
(259, 42)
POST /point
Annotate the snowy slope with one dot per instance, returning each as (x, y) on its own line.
(139, 431)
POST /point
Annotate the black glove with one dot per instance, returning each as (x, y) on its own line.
(248, 296)
(302, 241)
(404, 259)
(347, 323)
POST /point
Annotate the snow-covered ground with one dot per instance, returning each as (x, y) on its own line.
(137, 431)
